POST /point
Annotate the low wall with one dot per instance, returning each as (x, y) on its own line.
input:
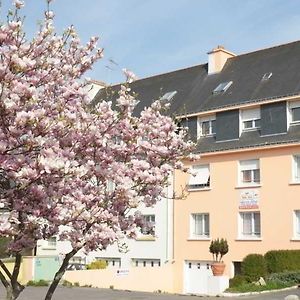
(26, 269)
(147, 279)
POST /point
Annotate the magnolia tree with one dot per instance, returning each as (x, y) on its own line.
(58, 152)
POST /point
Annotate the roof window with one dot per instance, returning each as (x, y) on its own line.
(222, 87)
(168, 96)
(267, 76)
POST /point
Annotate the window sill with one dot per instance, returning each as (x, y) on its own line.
(146, 238)
(294, 183)
(251, 129)
(295, 239)
(198, 190)
(251, 239)
(199, 239)
(48, 248)
(248, 186)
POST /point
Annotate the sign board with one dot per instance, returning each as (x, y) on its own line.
(122, 272)
(249, 199)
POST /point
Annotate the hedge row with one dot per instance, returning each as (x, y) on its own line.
(255, 266)
(283, 260)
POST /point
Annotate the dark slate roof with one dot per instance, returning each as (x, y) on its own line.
(194, 87)
(250, 139)
(194, 90)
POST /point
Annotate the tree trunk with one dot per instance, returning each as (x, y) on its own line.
(12, 286)
(59, 274)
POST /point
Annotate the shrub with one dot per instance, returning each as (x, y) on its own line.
(254, 266)
(67, 283)
(40, 282)
(286, 277)
(218, 248)
(237, 280)
(283, 260)
(98, 264)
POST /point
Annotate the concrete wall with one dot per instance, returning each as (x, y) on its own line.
(140, 279)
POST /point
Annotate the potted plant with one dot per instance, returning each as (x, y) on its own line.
(218, 248)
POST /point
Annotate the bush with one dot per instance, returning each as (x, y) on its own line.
(251, 287)
(218, 248)
(237, 280)
(286, 277)
(40, 282)
(98, 264)
(67, 283)
(254, 266)
(283, 260)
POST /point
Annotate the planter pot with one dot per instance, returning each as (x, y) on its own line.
(218, 268)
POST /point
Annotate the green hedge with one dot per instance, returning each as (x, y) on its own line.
(253, 267)
(286, 277)
(282, 260)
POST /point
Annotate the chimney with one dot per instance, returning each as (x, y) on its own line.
(217, 58)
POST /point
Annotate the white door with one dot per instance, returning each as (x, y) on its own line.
(196, 277)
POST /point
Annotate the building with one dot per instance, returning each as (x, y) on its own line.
(243, 112)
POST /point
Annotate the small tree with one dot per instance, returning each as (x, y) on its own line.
(218, 248)
(58, 152)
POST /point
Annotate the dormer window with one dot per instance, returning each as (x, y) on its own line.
(250, 119)
(294, 109)
(222, 87)
(207, 126)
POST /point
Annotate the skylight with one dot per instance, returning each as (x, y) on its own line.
(222, 87)
(267, 76)
(168, 96)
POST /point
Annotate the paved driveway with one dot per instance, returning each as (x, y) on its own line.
(38, 293)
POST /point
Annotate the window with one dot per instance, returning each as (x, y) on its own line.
(110, 186)
(200, 177)
(249, 172)
(51, 242)
(297, 224)
(199, 225)
(296, 168)
(149, 228)
(145, 262)
(250, 224)
(250, 119)
(207, 126)
(222, 87)
(267, 76)
(168, 96)
(294, 110)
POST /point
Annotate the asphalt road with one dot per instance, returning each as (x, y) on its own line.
(38, 293)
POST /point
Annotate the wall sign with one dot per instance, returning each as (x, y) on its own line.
(249, 199)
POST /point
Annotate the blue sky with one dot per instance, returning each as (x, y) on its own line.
(156, 36)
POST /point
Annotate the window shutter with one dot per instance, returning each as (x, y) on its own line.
(249, 164)
(251, 114)
(202, 175)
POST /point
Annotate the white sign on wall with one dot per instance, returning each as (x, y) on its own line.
(249, 199)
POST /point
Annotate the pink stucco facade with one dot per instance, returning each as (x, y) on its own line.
(276, 200)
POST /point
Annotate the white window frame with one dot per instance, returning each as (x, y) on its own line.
(208, 119)
(295, 168)
(253, 234)
(296, 220)
(149, 218)
(205, 232)
(292, 105)
(249, 165)
(200, 177)
(250, 115)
